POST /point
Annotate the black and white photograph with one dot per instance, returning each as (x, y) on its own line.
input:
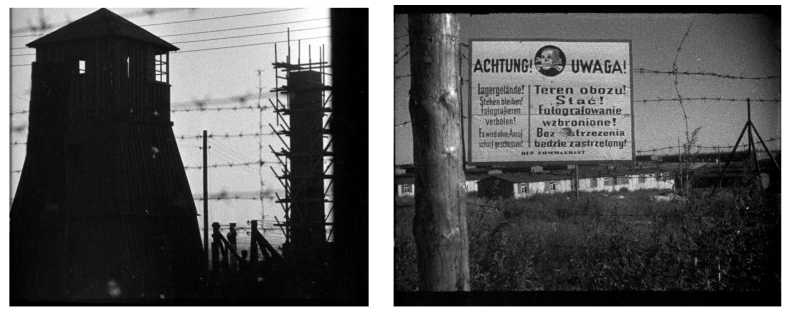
(188, 156)
(253, 158)
(587, 158)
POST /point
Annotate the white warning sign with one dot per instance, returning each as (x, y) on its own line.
(545, 101)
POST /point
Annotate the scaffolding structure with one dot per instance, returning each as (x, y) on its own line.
(303, 109)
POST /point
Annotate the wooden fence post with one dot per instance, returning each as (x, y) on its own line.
(215, 242)
(253, 244)
(232, 240)
(440, 200)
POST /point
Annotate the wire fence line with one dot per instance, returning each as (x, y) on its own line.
(711, 74)
(219, 47)
(217, 38)
(196, 137)
(231, 159)
(675, 72)
(222, 30)
(398, 59)
(247, 27)
(226, 196)
(218, 108)
(45, 25)
(705, 147)
(633, 221)
(672, 99)
(198, 105)
(235, 164)
(709, 99)
(222, 17)
(236, 197)
(716, 147)
(187, 110)
(219, 165)
(643, 71)
(249, 35)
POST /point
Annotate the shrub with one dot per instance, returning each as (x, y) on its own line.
(730, 242)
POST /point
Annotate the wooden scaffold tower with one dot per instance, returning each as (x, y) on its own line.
(306, 159)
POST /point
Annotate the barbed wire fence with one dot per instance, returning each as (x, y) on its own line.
(230, 152)
(675, 72)
(43, 24)
(228, 160)
(622, 223)
(224, 158)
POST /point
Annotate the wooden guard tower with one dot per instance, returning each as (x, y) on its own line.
(103, 208)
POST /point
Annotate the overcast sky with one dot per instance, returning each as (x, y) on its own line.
(727, 44)
(211, 69)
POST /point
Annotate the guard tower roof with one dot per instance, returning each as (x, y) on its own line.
(101, 24)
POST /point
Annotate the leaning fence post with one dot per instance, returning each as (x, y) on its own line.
(232, 240)
(215, 242)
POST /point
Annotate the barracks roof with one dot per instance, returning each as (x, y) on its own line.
(596, 173)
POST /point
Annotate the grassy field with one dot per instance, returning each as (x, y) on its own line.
(602, 242)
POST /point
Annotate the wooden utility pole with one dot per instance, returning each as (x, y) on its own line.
(205, 193)
(440, 198)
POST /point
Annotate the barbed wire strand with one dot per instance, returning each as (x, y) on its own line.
(644, 71)
(712, 74)
(231, 152)
(398, 59)
(198, 137)
(661, 100)
(249, 35)
(225, 47)
(222, 17)
(146, 12)
(223, 30)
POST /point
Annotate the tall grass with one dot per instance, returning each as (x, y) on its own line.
(552, 242)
